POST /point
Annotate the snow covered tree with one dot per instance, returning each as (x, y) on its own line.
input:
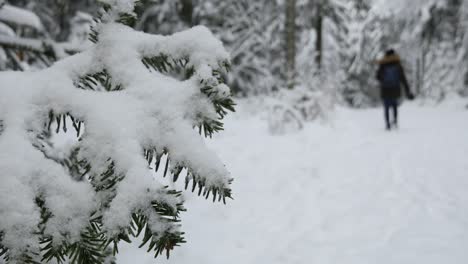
(19, 44)
(441, 45)
(166, 16)
(320, 65)
(329, 45)
(25, 42)
(370, 34)
(56, 15)
(430, 36)
(250, 31)
(130, 114)
(463, 53)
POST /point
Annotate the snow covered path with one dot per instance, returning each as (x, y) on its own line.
(341, 194)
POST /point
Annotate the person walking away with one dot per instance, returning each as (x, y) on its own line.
(390, 76)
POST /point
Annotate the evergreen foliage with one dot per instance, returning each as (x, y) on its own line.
(160, 222)
(27, 42)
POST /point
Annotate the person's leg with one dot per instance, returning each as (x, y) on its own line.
(387, 106)
(395, 113)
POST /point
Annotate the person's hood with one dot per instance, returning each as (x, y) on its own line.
(389, 59)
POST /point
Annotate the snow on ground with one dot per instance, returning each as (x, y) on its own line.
(348, 193)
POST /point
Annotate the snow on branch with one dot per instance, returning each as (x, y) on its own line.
(18, 16)
(125, 126)
(52, 49)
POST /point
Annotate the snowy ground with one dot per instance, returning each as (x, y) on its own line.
(344, 193)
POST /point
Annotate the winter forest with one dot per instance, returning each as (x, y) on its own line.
(233, 131)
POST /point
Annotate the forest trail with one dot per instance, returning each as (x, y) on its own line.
(344, 193)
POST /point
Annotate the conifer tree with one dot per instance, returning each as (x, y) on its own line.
(250, 31)
(20, 45)
(133, 100)
(25, 41)
(433, 33)
(166, 16)
(441, 39)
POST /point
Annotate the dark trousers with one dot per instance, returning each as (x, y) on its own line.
(390, 104)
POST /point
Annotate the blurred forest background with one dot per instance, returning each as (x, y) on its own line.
(312, 52)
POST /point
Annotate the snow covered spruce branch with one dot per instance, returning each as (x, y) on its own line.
(132, 98)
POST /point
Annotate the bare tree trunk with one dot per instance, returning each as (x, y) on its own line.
(290, 36)
(319, 41)
(186, 11)
(418, 76)
(62, 9)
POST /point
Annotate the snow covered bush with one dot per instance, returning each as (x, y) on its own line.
(289, 110)
(283, 118)
(128, 112)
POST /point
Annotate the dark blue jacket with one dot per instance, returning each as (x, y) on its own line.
(394, 92)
